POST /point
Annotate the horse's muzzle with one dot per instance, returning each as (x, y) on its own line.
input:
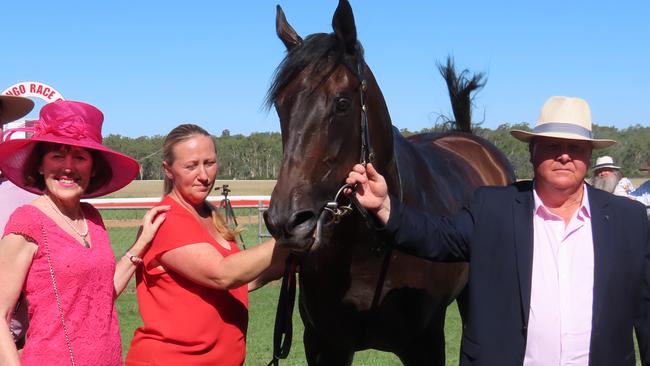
(296, 233)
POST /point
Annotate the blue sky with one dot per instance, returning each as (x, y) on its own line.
(150, 65)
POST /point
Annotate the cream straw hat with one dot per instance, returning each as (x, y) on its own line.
(564, 118)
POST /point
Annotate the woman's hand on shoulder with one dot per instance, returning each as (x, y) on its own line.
(151, 222)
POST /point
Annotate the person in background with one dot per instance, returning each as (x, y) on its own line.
(642, 194)
(11, 197)
(56, 248)
(193, 286)
(559, 271)
(609, 178)
(11, 109)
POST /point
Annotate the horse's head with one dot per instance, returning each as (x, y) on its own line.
(318, 96)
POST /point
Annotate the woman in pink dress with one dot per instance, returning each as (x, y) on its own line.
(56, 249)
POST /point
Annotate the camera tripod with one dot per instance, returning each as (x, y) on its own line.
(229, 212)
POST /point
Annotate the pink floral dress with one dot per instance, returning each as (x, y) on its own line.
(84, 278)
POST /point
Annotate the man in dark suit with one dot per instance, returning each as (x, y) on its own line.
(559, 271)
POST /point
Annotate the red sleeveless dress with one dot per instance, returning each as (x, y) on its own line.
(185, 323)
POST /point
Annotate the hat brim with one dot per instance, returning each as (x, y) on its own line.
(526, 136)
(124, 169)
(604, 166)
(14, 108)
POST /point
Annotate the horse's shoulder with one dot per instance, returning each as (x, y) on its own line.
(443, 137)
(472, 147)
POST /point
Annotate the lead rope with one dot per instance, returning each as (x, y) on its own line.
(56, 294)
(283, 330)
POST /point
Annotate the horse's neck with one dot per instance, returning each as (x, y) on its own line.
(386, 160)
(393, 178)
(382, 136)
(384, 145)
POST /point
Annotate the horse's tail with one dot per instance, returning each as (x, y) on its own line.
(460, 92)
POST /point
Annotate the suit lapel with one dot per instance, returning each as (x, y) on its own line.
(523, 230)
(600, 225)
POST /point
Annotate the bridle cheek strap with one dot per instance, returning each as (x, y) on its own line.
(367, 154)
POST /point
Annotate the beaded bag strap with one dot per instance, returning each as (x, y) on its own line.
(56, 293)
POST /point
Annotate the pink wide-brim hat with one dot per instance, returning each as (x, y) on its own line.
(69, 123)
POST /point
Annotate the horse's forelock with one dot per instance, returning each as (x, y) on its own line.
(322, 50)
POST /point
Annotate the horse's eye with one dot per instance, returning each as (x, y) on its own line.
(342, 105)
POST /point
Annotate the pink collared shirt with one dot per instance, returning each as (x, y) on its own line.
(559, 323)
(11, 197)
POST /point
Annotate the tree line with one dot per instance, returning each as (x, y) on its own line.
(259, 155)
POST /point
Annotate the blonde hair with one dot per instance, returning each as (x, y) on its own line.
(176, 136)
(220, 223)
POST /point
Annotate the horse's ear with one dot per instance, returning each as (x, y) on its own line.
(344, 28)
(285, 31)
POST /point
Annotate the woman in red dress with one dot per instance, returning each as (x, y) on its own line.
(193, 287)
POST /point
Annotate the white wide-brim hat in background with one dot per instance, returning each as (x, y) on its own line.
(605, 162)
(564, 118)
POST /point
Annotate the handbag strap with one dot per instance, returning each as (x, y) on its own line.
(56, 293)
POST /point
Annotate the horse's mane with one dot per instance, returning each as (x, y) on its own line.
(461, 88)
(323, 50)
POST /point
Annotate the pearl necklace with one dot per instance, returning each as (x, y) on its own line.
(82, 235)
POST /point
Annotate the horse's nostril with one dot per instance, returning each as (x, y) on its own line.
(272, 224)
(300, 218)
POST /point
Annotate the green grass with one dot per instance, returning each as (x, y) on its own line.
(123, 214)
(127, 303)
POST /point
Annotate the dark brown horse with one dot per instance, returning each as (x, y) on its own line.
(355, 291)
